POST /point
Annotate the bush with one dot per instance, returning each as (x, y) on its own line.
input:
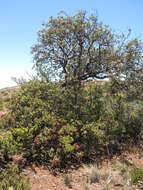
(47, 127)
(51, 127)
(12, 178)
(7, 147)
(1, 104)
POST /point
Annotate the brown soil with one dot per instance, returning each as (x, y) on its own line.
(42, 179)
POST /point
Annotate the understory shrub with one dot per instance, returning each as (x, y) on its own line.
(11, 178)
(1, 104)
(7, 147)
(51, 124)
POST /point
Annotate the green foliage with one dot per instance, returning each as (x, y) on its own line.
(46, 123)
(7, 145)
(1, 104)
(51, 128)
(136, 175)
(127, 112)
(68, 43)
(11, 178)
(69, 120)
(65, 122)
(79, 47)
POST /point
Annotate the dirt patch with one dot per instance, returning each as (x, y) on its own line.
(43, 179)
(113, 175)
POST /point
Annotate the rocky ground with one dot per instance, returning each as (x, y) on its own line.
(110, 175)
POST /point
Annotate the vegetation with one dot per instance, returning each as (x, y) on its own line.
(49, 128)
(136, 175)
(1, 104)
(77, 48)
(12, 179)
(67, 181)
(94, 175)
(65, 117)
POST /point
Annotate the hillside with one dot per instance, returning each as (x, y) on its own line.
(5, 97)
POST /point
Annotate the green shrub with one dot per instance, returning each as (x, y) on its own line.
(7, 147)
(12, 178)
(1, 104)
(50, 126)
(42, 125)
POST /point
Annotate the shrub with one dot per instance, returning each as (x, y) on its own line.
(47, 129)
(12, 178)
(50, 127)
(1, 104)
(7, 147)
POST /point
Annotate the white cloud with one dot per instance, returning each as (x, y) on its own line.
(5, 77)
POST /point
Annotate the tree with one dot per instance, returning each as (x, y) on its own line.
(77, 48)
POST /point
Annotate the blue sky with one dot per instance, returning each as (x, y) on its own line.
(20, 21)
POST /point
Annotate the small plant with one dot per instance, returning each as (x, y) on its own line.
(7, 99)
(1, 104)
(93, 174)
(136, 175)
(67, 181)
(104, 175)
(120, 167)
